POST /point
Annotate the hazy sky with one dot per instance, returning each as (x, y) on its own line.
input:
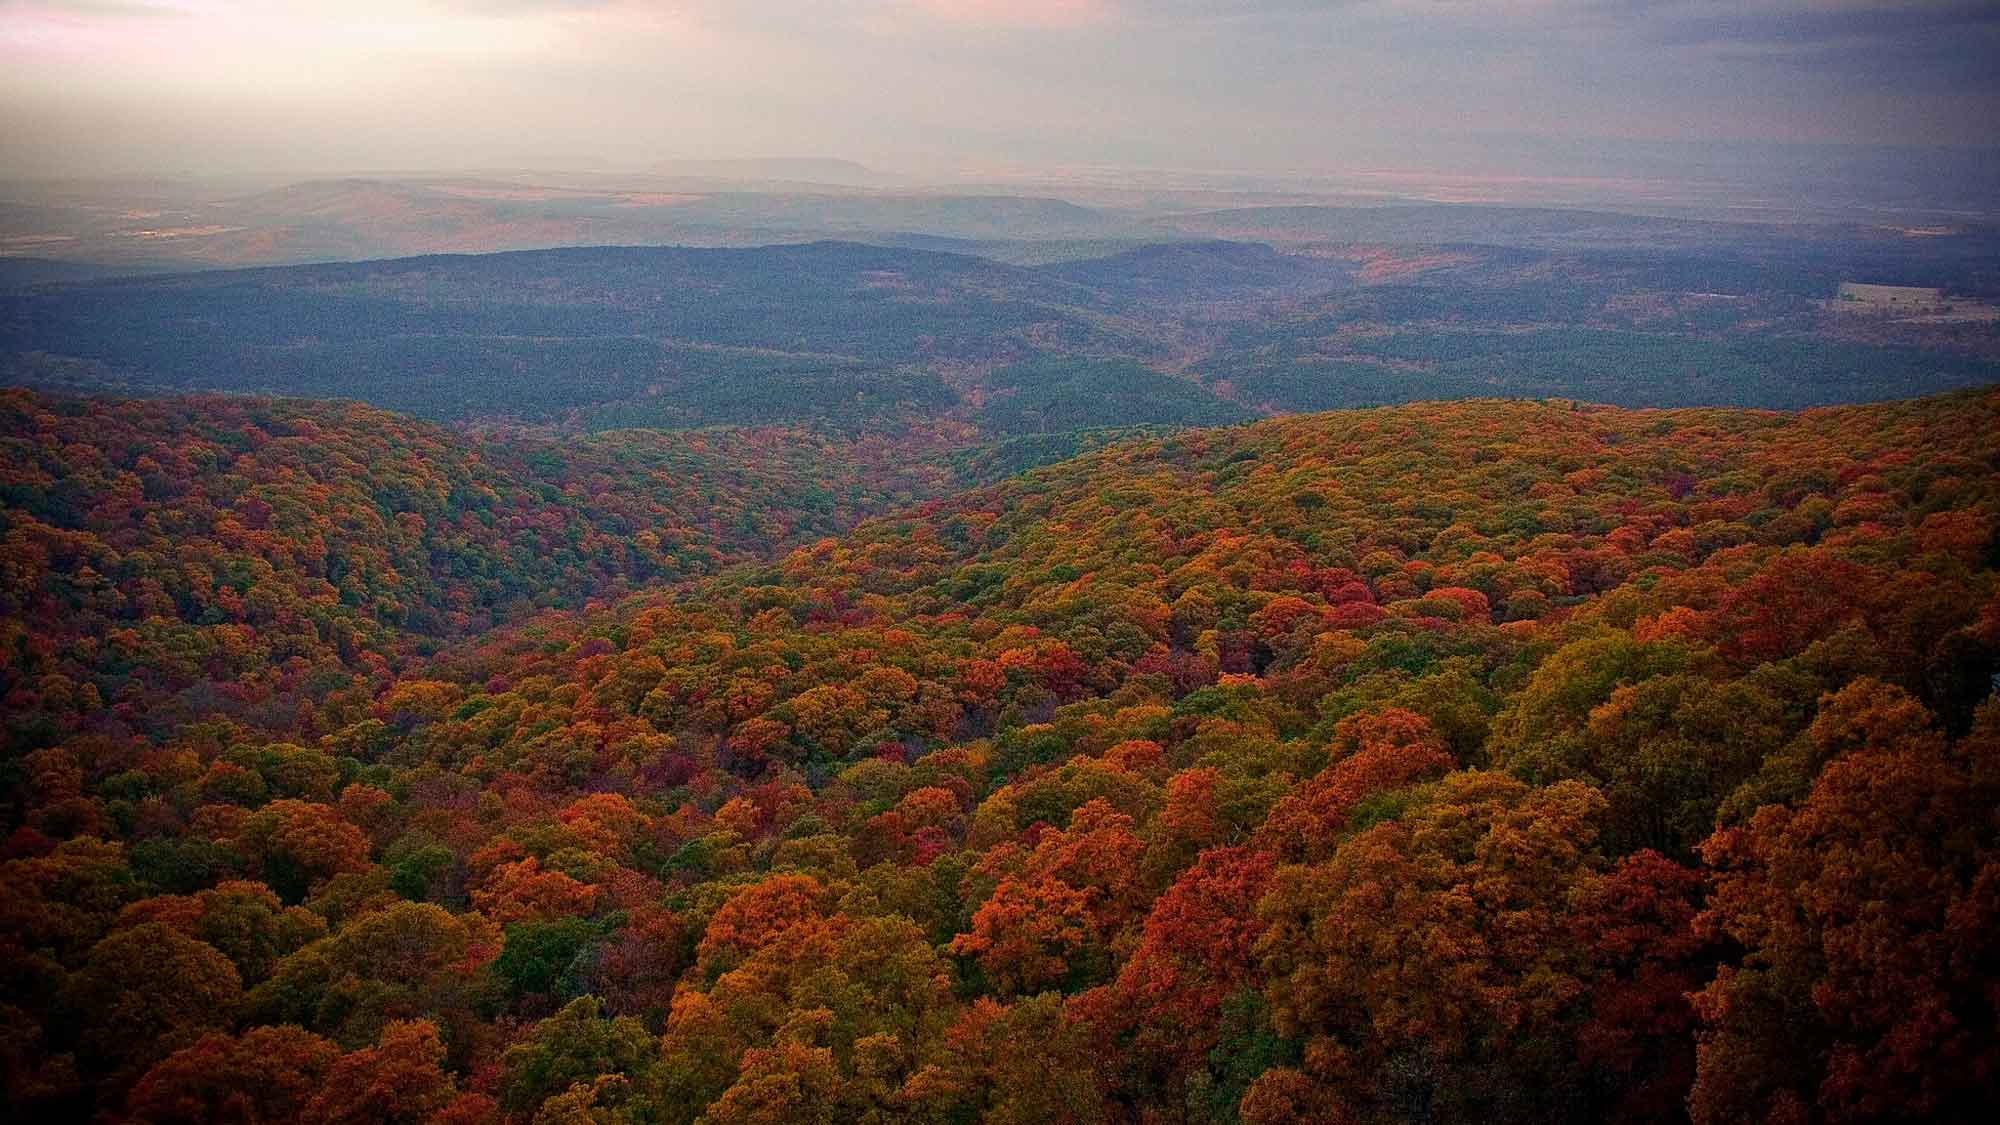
(91, 86)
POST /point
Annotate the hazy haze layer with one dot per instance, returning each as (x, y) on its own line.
(95, 87)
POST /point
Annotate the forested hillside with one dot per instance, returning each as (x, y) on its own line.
(186, 558)
(1444, 762)
(883, 339)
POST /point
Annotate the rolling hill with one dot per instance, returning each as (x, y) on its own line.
(1484, 760)
(853, 336)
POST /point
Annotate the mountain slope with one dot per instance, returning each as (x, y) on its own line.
(1474, 760)
(181, 557)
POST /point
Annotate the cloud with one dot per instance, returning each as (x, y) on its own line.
(116, 7)
(1812, 24)
(1026, 13)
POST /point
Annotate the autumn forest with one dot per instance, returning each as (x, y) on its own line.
(1507, 761)
(999, 562)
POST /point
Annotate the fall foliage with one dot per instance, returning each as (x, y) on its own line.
(1503, 761)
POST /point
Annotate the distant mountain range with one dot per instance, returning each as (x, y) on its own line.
(802, 169)
(143, 227)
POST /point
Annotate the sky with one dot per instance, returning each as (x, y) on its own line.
(93, 87)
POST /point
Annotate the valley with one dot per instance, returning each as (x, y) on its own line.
(859, 337)
(961, 562)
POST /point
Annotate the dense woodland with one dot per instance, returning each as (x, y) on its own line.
(1442, 762)
(221, 556)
